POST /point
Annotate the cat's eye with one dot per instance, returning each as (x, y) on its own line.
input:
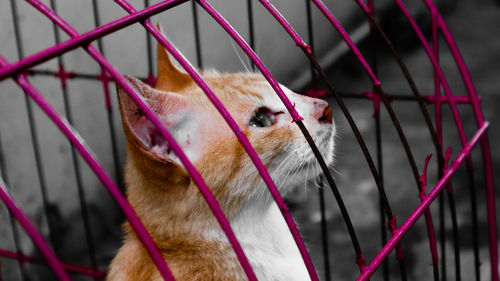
(263, 117)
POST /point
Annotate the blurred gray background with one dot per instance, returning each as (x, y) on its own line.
(473, 23)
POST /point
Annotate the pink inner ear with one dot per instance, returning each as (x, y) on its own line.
(144, 130)
(156, 137)
(165, 105)
(158, 141)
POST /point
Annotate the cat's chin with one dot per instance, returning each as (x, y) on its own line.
(310, 171)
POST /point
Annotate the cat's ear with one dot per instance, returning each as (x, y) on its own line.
(170, 78)
(170, 108)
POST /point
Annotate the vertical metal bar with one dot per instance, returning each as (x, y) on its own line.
(475, 226)
(321, 194)
(456, 237)
(149, 45)
(33, 132)
(310, 38)
(13, 226)
(454, 223)
(324, 232)
(378, 138)
(251, 31)
(197, 39)
(383, 221)
(442, 237)
(76, 165)
(439, 132)
(109, 108)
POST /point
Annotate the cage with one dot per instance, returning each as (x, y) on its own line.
(64, 202)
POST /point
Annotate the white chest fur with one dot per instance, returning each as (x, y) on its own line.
(270, 247)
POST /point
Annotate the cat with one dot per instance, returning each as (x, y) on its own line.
(169, 203)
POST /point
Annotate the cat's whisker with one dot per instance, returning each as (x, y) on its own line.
(334, 169)
(290, 155)
(277, 173)
(320, 177)
(283, 166)
(239, 57)
(249, 62)
(296, 163)
(307, 174)
(317, 178)
(290, 167)
(286, 170)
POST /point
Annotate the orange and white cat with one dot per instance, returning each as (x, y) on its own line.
(169, 203)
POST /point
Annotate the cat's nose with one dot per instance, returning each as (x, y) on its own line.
(327, 117)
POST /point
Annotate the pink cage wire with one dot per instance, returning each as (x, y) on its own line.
(20, 70)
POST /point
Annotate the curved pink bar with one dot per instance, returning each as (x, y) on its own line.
(391, 244)
(35, 236)
(279, 17)
(364, 7)
(438, 117)
(437, 83)
(485, 147)
(189, 167)
(89, 157)
(331, 18)
(296, 117)
(86, 38)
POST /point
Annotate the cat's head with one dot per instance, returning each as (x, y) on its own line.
(211, 145)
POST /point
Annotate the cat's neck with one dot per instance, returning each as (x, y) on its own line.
(178, 215)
